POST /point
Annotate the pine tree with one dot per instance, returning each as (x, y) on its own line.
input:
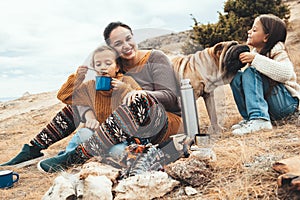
(237, 19)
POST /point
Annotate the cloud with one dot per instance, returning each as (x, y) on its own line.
(42, 42)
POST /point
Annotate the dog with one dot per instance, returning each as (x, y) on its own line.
(209, 68)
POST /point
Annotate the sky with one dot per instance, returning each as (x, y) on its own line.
(43, 41)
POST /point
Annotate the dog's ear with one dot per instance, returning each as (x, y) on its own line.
(231, 60)
(218, 48)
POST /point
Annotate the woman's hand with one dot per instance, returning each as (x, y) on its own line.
(246, 57)
(130, 96)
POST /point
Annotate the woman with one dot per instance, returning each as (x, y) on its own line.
(151, 69)
(267, 90)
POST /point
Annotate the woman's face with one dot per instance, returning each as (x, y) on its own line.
(106, 61)
(122, 41)
(256, 35)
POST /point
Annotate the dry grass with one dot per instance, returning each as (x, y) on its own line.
(242, 170)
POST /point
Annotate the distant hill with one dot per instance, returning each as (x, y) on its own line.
(169, 43)
(144, 33)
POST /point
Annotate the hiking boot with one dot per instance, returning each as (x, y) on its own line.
(27, 156)
(239, 125)
(253, 126)
(61, 162)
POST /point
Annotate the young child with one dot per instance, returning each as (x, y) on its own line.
(101, 103)
(267, 90)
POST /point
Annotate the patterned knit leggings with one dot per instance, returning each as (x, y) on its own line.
(62, 125)
(144, 121)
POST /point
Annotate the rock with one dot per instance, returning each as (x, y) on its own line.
(97, 187)
(190, 191)
(203, 154)
(80, 188)
(93, 181)
(148, 185)
(26, 94)
(191, 170)
(62, 189)
(98, 169)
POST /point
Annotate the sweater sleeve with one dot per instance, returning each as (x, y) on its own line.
(132, 83)
(66, 91)
(166, 87)
(73, 92)
(278, 67)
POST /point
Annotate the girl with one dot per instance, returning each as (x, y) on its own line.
(267, 90)
(101, 103)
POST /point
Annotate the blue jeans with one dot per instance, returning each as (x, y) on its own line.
(256, 98)
(83, 134)
(79, 137)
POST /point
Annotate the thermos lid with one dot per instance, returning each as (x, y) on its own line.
(185, 81)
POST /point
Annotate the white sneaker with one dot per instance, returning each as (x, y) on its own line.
(239, 125)
(253, 126)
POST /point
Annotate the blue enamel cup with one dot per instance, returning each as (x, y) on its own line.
(7, 178)
(103, 83)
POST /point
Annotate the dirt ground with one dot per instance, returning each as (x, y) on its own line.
(243, 167)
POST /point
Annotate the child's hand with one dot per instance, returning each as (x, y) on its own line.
(117, 84)
(92, 124)
(246, 57)
(90, 120)
(81, 71)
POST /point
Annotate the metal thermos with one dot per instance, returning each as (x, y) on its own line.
(189, 109)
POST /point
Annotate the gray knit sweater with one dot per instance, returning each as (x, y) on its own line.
(157, 78)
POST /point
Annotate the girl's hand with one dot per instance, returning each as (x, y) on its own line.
(92, 124)
(246, 57)
(117, 84)
(81, 71)
(130, 96)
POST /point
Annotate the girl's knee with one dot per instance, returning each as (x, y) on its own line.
(250, 71)
(250, 74)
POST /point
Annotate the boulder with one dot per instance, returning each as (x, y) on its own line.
(148, 185)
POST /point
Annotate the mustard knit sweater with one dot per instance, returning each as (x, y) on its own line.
(74, 92)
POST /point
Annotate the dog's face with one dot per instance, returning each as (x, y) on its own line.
(231, 61)
(219, 50)
(226, 57)
(210, 67)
